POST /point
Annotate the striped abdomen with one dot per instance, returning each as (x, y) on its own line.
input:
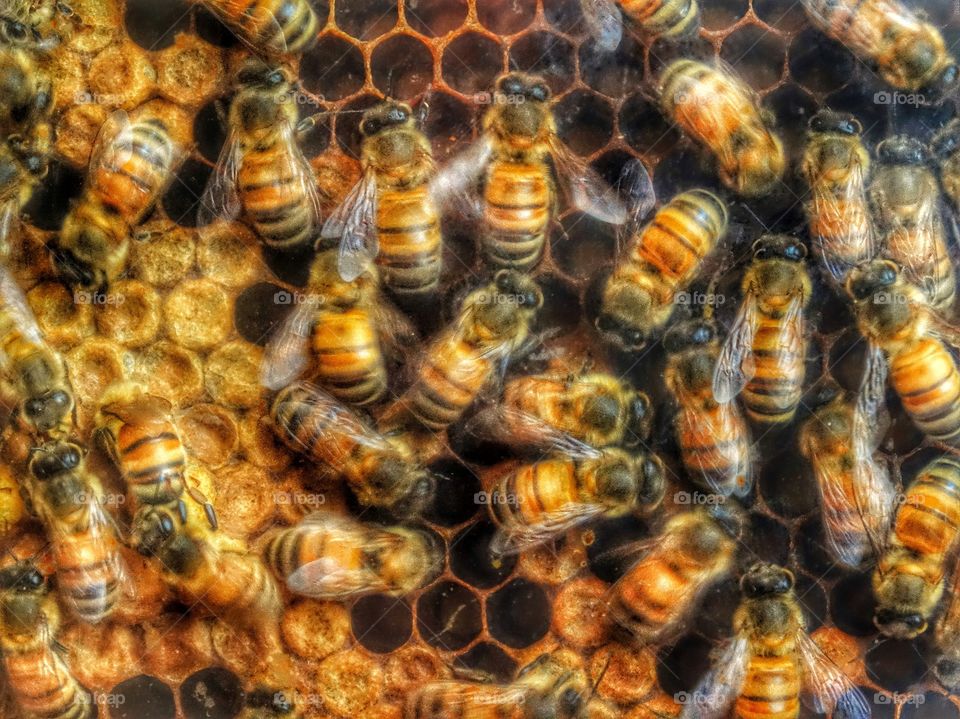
(278, 26)
(535, 489)
(518, 205)
(349, 363)
(714, 445)
(134, 170)
(43, 685)
(274, 198)
(313, 430)
(925, 376)
(408, 226)
(669, 18)
(453, 374)
(152, 461)
(928, 522)
(843, 225)
(292, 548)
(773, 393)
(934, 271)
(238, 583)
(89, 572)
(476, 701)
(771, 689)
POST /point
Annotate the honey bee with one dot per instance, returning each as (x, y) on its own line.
(908, 52)
(947, 636)
(274, 27)
(714, 106)
(552, 686)
(713, 436)
(328, 556)
(40, 679)
(907, 338)
(836, 166)
(137, 431)
(595, 408)
(661, 260)
(695, 549)
(514, 160)
(493, 325)
(132, 164)
(670, 19)
(905, 198)
(856, 495)
(38, 373)
(771, 658)
(390, 215)
(944, 149)
(84, 545)
(540, 501)
(765, 352)
(261, 170)
(908, 581)
(380, 469)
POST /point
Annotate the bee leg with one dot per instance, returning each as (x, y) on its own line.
(208, 509)
(182, 511)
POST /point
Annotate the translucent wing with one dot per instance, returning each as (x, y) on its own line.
(711, 698)
(528, 429)
(604, 23)
(14, 302)
(295, 165)
(735, 365)
(637, 186)
(726, 431)
(259, 17)
(394, 329)
(455, 184)
(942, 328)
(288, 352)
(220, 198)
(922, 249)
(831, 690)
(466, 699)
(550, 525)
(354, 223)
(585, 188)
(9, 217)
(114, 143)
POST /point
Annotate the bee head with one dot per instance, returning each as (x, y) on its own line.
(602, 411)
(48, 411)
(420, 486)
(385, 116)
(689, 334)
(152, 528)
(902, 150)
(51, 461)
(21, 585)
(77, 271)
(15, 32)
(947, 670)
(623, 303)
(520, 104)
(944, 84)
(764, 580)
(900, 625)
(256, 73)
(782, 247)
(867, 279)
(517, 87)
(640, 419)
(840, 123)
(516, 288)
(570, 702)
(22, 578)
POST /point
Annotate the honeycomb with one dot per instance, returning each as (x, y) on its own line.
(198, 305)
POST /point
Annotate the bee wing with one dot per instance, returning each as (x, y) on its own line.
(460, 698)
(9, 217)
(702, 424)
(604, 23)
(712, 696)
(299, 169)
(325, 578)
(288, 354)
(15, 303)
(259, 17)
(860, 231)
(456, 182)
(636, 184)
(927, 252)
(831, 690)
(114, 140)
(942, 328)
(735, 365)
(396, 331)
(354, 223)
(515, 539)
(836, 507)
(530, 429)
(220, 198)
(585, 188)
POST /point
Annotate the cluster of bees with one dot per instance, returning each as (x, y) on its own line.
(880, 235)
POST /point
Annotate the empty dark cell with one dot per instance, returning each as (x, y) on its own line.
(470, 557)
(756, 54)
(448, 616)
(852, 604)
(721, 14)
(792, 107)
(847, 360)
(929, 705)
(473, 446)
(435, 18)
(613, 73)
(881, 704)
(455, 499)
(210, 29)
(902, 435)
(402, 67)
(686, 166)
(519, 613)
(767, 540)
(448, 124)
(209, 130)
(471, 63)
(812, 600)
(584, 121)
(183, 198)
(664, 51)
(333, 69)
(489, 659)
(52, 197)
(213, 693)
(610, 166)
(714, 615)
(565, 16)
(860, 99)
(917, 119)
(645, 127)
(142, 697)
(366, 19)
(786, 484)
(583, 244)
(561, 306)
(505, 17)
(834, 312)
(937, 12)
(260, 310)
(787, 17)
(347, 123)
(896, 664)
(681, 666)
(292, 267)
(153, 25)
(381, 623)
(608, 555)
(317, 139)
(818, 63)
(916, 463)
(547, 55)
